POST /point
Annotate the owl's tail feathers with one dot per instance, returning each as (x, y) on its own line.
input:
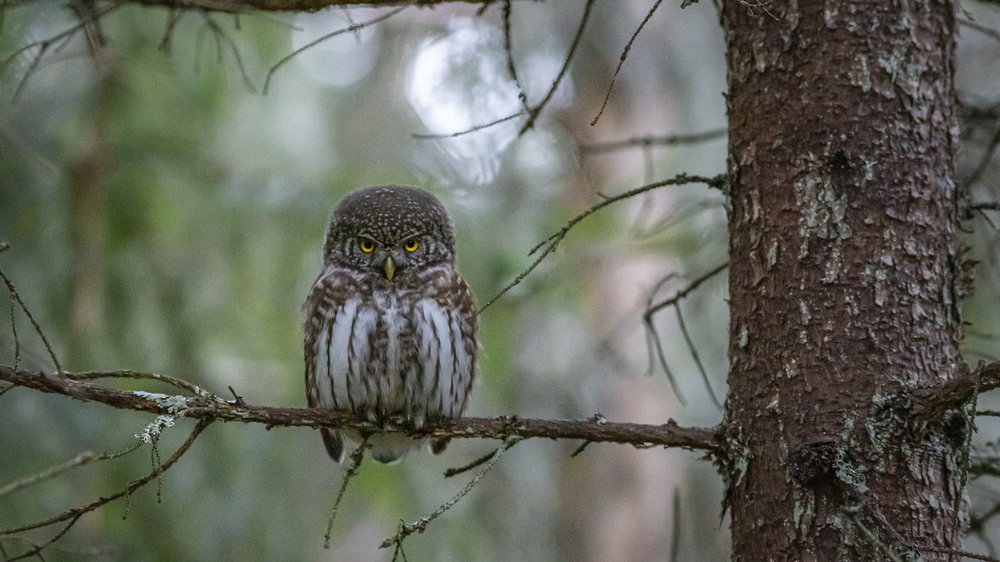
(334, 444)
(439, 445)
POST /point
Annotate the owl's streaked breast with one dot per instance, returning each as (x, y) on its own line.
(396, 352)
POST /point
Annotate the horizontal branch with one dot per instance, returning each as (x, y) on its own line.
(647, 142)
(214, 408)
(931, 402)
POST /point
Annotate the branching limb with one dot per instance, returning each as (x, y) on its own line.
(54, 43)
(985, 206)
(74, 514)
(931, 402)
(962, 553)
(38, 329)
(984, 162)
(223, 39)
(695, 356)
(83, 458)
(552, 242)
(349, 29)
(213, 408)
(508, 49)
(357, 456)
(537, 109)
(407, 529)
(653, 335)
(648, 142)
(621, 60)
(988, 31)
(473, 129)
(532, 111)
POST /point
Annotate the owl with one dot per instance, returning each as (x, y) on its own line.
(390, 325)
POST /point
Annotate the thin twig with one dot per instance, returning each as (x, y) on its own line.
(694, 354)
(407, 529)
(168, 32)
(83, 458)
(100, 552)
(36, 551)
(985, 206)
(75, 513)
(537, 109)
(92, 31)
(621, 60)
(473, 129)
(693, 285)
(984, 162)
(38, 329)
(507, 9)
(988, 31)
(357, 456)
(552, 242)
(675, 537)
(647, 142)
(349, 29)
(465, 468)
(221, 35)
(962, 553)
(58, 41)
(17, 340)
(649, 303)
(654, 336)
(130, 374)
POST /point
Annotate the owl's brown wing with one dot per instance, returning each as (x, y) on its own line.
(324, 302)
(447, 327)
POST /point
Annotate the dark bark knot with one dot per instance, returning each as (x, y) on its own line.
(847, 173)
(826, 463)
(812, 464)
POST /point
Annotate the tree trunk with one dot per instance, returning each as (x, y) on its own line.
(844, 279)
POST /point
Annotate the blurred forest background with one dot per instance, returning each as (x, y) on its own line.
(166, 215)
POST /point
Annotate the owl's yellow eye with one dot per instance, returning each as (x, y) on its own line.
(411, 245)
(367, 246)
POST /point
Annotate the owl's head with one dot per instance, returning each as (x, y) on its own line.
(390, 231)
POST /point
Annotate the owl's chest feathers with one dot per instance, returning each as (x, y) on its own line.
(394, 332)
(378, 349)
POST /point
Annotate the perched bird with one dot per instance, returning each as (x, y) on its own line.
(390, 325)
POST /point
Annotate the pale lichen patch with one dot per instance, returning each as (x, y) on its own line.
(174, 404)
(875, 276)
(823, 216)
(791, 369)
(804, 312)
(859, 75)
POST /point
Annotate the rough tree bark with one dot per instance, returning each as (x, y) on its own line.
(844, 279)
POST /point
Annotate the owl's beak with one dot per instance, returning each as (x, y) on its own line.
(390, 268)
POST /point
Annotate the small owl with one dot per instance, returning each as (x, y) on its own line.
(390, 327)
